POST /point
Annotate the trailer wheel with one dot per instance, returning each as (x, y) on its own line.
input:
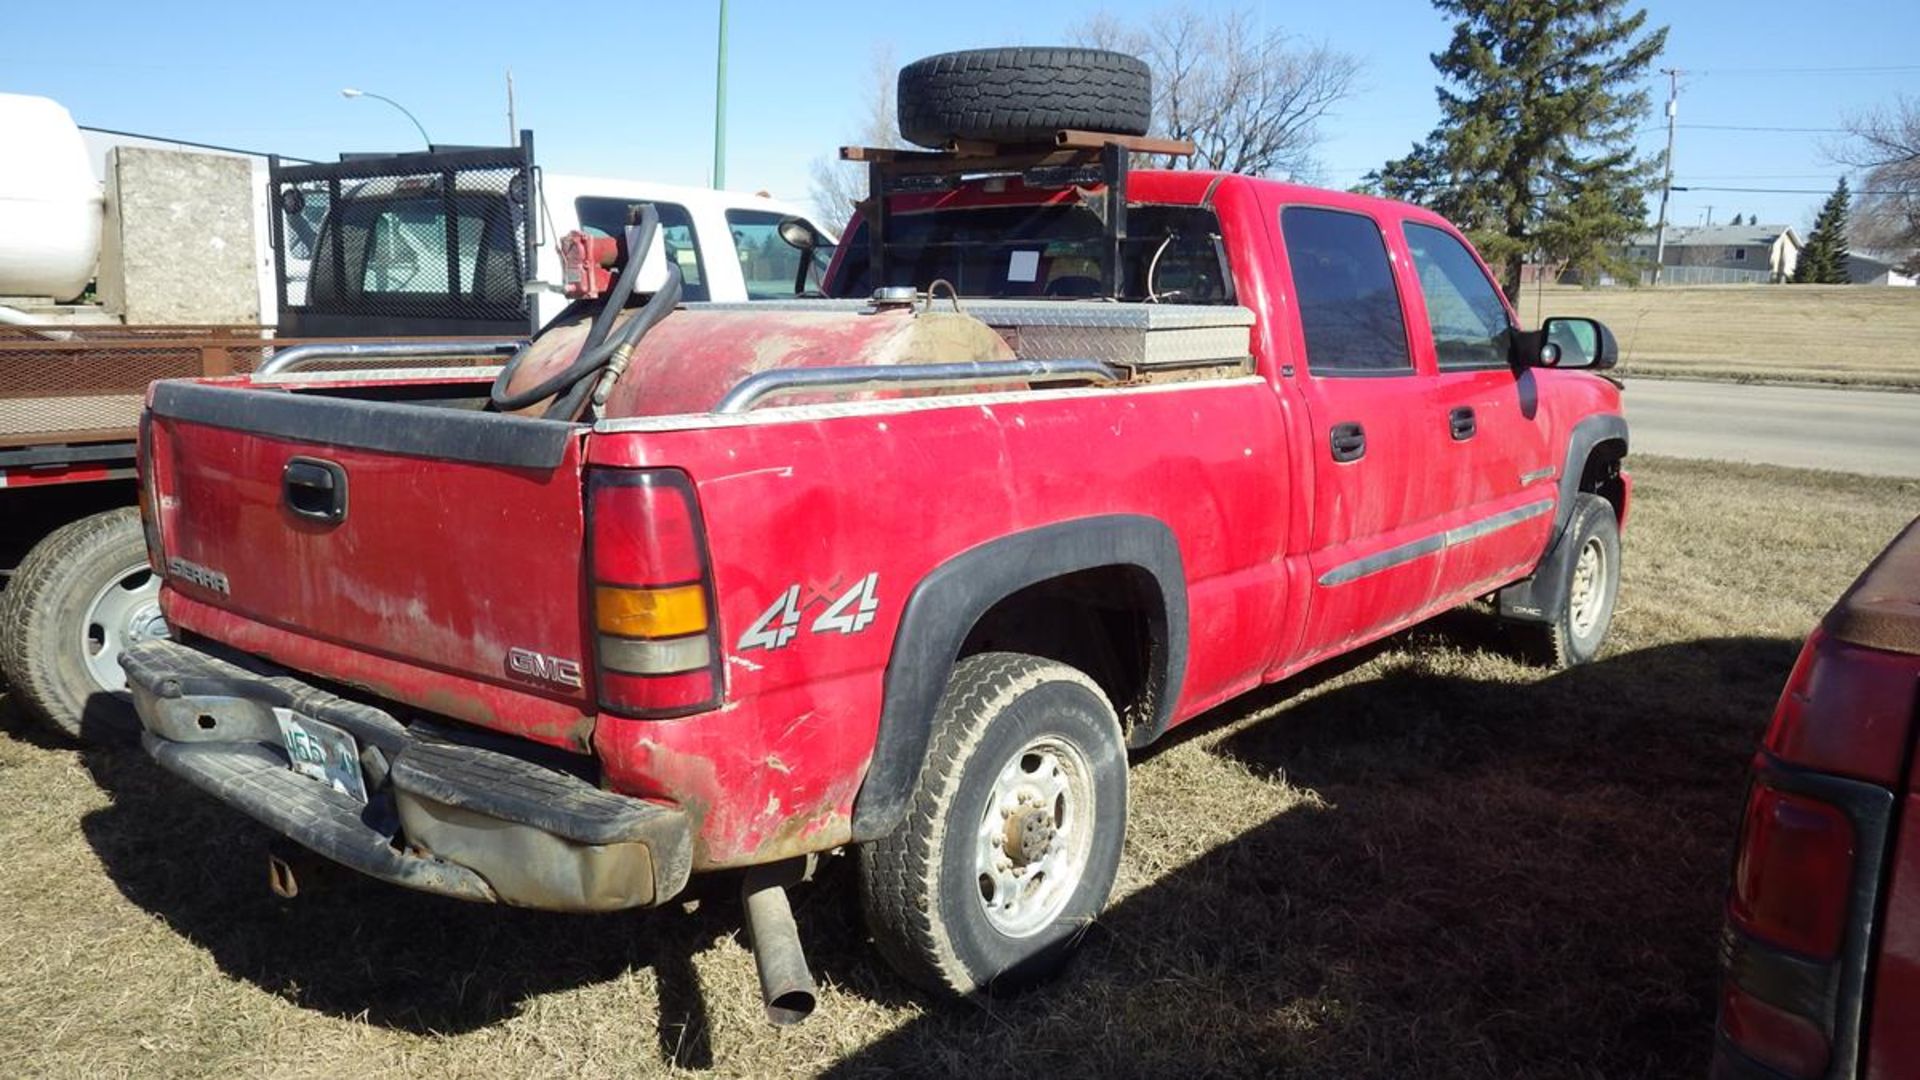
(80, 598)
(1013, 840)
(1022, 95)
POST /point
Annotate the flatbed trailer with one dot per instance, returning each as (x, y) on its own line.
(72, 555)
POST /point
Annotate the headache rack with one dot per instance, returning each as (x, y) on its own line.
(1084, 159)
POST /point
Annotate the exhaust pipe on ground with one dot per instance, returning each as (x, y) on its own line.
(786, 986)
(282, 876)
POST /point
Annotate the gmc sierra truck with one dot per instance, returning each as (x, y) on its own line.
(1069, 453)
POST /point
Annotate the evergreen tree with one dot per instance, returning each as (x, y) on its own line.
(1823, 261)
(1539, 100)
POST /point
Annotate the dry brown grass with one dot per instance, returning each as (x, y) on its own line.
(1435, 861)
(1843, 334)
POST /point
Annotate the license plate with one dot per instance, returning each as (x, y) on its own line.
(323, 752)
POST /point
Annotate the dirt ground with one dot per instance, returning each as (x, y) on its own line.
(1852, 335)
(1431, 860)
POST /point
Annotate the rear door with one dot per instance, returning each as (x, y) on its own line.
(1487, 450)
(1373, 506)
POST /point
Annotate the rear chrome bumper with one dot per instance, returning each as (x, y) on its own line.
(441, 816)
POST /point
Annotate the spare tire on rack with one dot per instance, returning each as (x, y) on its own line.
(1022, 95)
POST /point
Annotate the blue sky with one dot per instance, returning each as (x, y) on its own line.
(627, 89)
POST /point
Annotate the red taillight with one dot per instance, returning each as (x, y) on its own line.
(1772, 1036)
(656, 640)
(1794, 872)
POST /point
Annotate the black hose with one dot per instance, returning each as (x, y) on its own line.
(595, 350)
(569, 405)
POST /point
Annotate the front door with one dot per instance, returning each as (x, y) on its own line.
(1486, 440)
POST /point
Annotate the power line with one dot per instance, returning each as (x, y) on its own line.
(1747, 127)
(1871, 69)
(1783, 191)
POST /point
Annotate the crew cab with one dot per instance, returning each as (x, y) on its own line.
(1821, 949)
(1068, 454)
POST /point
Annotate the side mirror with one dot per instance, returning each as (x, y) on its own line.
(1573, 342)
(799, 233)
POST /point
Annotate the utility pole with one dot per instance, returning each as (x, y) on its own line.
(720, 106)
(1666, 180)
(513, 127)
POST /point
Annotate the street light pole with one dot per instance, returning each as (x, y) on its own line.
(350, 92)
(720, 106)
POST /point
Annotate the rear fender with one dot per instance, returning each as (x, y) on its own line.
(947, 603)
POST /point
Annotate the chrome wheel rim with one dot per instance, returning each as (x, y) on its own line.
(123, 614)
(1035, 837)
(1588, 594)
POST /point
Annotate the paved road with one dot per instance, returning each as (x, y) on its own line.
(1861, 431)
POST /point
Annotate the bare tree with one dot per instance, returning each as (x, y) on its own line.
(1886, 144)
(1251, 101)
(838, 185)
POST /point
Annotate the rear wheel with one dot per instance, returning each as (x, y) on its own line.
(1013, 839)
(82, 596)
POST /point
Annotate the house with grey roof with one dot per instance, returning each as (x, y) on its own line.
(1883, 266)
(1743, 252)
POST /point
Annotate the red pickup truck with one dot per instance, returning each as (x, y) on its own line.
(867, 574)
(1822, 942)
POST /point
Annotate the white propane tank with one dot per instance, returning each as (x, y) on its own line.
(50, 204)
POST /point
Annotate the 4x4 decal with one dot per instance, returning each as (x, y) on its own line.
(850, 613)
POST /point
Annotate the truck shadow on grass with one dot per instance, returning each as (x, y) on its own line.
(1489, 877)
(1493, 878)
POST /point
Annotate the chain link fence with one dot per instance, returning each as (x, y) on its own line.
(1705, 275)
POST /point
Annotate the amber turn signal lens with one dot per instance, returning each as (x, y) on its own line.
(650, 613)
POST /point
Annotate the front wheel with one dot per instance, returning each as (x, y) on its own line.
(1013, 840)
(81, 597)
(1587, 591)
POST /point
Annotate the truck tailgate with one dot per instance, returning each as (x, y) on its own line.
(444, 540)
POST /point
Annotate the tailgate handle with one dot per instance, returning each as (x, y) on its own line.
(315, 490)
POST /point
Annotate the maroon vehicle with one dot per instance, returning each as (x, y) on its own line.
(1071, 454)
(1822, 942)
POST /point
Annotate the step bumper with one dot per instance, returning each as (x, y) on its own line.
(440, 815)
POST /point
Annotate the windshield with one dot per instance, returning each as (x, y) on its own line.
(1172, 253)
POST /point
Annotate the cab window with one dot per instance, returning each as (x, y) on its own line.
(610, 216)
(1343, 287)
(1470, 325)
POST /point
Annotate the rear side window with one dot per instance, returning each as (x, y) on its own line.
(1470, 327)
(610, 215)
(394, 250)
(1349, 307)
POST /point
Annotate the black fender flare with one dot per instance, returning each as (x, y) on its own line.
(1537, 598)
(945, 606)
